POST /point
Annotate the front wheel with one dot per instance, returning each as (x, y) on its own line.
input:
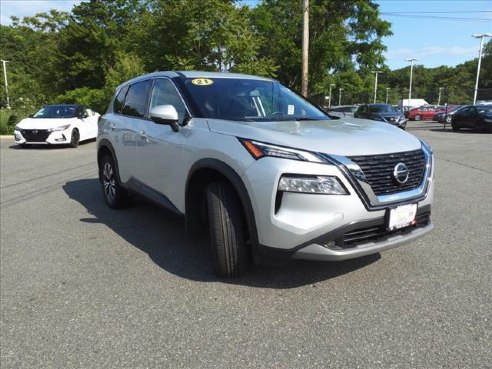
(114, 194)
(418, 117)
(75, 140)
(227, 230)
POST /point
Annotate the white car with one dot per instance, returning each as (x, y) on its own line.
(58, 125)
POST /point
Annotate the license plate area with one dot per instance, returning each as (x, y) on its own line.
(401, 217)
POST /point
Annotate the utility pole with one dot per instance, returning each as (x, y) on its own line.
(387, 91)
(305, 48)
(411, 60)
(375, 84)
(340, 96)
(439, 99)
(329, 95)
(480, 36)
(4, 62)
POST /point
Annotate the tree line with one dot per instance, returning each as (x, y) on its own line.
(83, 55)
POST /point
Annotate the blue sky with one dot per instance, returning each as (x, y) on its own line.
(436, 32)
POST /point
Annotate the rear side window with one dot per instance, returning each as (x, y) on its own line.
(120, 99)
(136, 99)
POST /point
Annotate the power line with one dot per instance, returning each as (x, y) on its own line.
(435, 17)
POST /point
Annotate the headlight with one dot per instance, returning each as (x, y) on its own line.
(61, 128)
(17, 128)
(260, 149)
(326, 185)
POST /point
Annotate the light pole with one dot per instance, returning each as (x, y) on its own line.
(329, 95)
(411, 60)
(340, 96)
(439, 99)
(480, 36)
(387, 91)
(4, 62)
(375, 83)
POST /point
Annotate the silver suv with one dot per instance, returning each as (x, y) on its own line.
(269, 174)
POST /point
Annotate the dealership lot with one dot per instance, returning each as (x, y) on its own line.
(86, 286)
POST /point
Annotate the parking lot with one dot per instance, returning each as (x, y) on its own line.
(84, 286)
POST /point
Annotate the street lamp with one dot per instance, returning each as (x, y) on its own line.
(329, 95)
(480, 36)
(439, 99)
(340, 96)
(375, 83)
(4, 62)
(387, 91)
(411, 60)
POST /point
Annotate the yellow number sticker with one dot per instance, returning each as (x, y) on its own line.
(202, 82)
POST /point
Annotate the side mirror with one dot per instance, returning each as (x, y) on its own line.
(31, 115)
(165, 114)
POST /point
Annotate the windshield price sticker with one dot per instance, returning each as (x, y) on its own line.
(290, 109)
(402, 216)
(202, 82)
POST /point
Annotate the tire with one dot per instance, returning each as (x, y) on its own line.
(227, 230)
(114, 194)
(418, 117)
(75, 140)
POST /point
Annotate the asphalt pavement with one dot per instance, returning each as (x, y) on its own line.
(84, 286)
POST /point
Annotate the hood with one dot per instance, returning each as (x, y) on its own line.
(44, 123)
(346, 136)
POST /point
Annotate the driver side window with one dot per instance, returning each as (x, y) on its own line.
(165, 93)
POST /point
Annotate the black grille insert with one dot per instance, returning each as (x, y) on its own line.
(35, 135)
(378, 170)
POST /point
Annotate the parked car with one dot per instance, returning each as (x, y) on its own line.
(476, 117)
(425, 112)
(342, 110)
(383, 113)
(269, 174)
(445, 114)
(57, 125)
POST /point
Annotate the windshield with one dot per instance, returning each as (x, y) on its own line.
(382, 109)
(485, 109)
(57, 111)
(249, 100)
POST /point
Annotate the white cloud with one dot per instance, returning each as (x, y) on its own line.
(25, 8)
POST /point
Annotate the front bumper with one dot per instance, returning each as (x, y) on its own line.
(43, 138)
(315, 227)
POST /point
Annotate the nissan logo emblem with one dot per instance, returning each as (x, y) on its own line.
(35, 132)
(401, 173)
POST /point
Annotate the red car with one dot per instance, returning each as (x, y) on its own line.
(422, 113)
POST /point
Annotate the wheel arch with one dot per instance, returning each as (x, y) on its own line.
(105, 147)
(205, 171)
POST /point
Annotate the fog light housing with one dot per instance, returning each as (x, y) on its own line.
(325, 185)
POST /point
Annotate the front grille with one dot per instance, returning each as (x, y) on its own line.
(35, 135)
(378, 170)
(378, 233)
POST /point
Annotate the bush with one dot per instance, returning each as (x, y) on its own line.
(9, 118)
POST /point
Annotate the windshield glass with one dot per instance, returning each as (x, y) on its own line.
(382, 109)
(249, 100)
(485, 109)
(57, 111)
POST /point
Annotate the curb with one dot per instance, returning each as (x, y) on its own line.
(7, 136)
